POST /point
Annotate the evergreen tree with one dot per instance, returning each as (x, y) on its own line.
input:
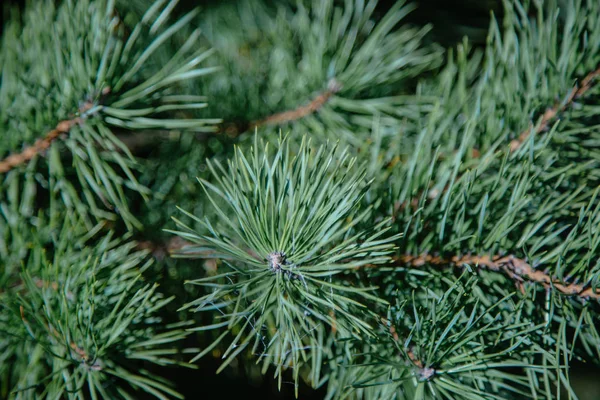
(313, 191)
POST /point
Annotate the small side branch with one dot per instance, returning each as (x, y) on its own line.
(41, 145)
(552, 113)
(287, 116)
(424, 373)
(235, 129)
(549, 115)
(160, 250)
(517, 269)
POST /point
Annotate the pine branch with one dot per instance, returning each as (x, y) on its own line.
(450, 342)
(296, 228)
(549, 115)
(89, 313)
(288, 116)
(517, 269)
(274, 61)
(554, 112)
(41, 145)
(60, 67)
(235, 129)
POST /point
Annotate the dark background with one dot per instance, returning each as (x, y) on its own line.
(452, 19)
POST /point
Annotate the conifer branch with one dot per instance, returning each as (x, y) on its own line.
(424, 372)
(159, 250)
(549, 115)
(553, 112)
(281, 257)
(41, 145)
(235, 129)
(517, 269)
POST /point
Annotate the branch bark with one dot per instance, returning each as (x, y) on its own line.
(517, 269)
(135, 142)
(236, 129)
(549, 115)
(41, 145)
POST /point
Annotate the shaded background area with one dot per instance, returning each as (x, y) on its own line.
(452, 20)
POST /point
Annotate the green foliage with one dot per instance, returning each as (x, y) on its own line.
(459, 343)
(369, 272)
(293, 231)
(538, 203)
(86, 318)
(53, 70)
(279, 58)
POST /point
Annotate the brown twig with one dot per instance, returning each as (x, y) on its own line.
(333, 321)
(425, 373)
(235, 129)
(41, 145)
(551, 113)
(413, 358)
(548, 116)
(332, 88)
(516, 268)
(232, 129)
(160, 250)
(91, 363)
